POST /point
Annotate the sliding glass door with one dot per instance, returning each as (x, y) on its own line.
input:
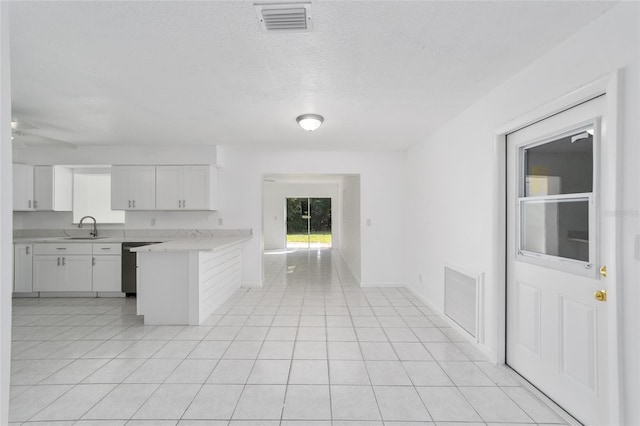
(308, 222)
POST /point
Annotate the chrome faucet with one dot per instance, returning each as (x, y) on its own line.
(93, 233)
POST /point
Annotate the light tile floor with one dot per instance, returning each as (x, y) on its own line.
(310, 348)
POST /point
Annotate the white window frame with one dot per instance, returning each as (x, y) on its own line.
(571, 266)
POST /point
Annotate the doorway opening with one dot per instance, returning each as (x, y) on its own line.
(308, 222)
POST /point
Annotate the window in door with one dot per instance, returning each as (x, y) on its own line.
(556, 203)
(308, 222)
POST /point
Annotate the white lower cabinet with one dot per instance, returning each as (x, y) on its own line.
(46, 273)
(62, 273)
(23, 268)
(74, 267)
(107, 267)
(107, 273)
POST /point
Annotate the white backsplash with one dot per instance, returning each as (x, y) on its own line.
(131, 233)
(133, 220)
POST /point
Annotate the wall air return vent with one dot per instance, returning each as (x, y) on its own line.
(283, 17)
(464, 301)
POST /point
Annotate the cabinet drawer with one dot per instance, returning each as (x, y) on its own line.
(64, 248)
(113, 248)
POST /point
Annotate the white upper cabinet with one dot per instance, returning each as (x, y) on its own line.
(53, 188)
(168, 187)
(120, 199)
(200, 188)
(133, 187)
(22, 187)
(47, 188)
(186, 187)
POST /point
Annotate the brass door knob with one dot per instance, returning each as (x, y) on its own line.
(603, 271)
(600, 295)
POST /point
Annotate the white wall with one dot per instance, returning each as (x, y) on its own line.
(381, 190)
(6, 202)
(274, 199)
(121, 154)
(452, 174)
(350, 237)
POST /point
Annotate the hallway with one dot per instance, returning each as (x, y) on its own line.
(309, 348)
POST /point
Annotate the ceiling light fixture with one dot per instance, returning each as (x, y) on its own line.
(310, 122)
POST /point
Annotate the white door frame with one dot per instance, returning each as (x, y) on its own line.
(608, 85)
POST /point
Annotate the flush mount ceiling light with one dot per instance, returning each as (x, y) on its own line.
(310, 122)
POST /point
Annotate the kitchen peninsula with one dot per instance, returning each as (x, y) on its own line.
(182, 282)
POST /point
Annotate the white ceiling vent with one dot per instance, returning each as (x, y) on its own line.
(284, 17)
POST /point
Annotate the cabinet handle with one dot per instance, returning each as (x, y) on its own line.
(35, 204)
(61, 248)
(129, 203)
(27, 250)
(134, 204)
(93, 261)
(58, 261)
(63, 261)
(29, 203)
(184, 203)
(179, 203)
(105, 248)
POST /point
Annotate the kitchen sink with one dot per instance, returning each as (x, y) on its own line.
(83, 238)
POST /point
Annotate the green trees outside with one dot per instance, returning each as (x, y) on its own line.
(309, 216)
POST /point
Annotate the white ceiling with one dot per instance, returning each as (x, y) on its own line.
(383, 74)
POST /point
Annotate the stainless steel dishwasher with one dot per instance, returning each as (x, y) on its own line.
(129, 266)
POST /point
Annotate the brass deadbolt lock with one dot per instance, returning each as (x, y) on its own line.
(600, 295)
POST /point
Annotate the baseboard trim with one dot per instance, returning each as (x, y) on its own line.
(25, 295)
(67, 294)
(381, 284)
(252, 284)
(344, 259)
(45, 294)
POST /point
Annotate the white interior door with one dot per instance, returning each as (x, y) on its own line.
(557, 331)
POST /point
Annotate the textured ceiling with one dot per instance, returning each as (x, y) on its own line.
(383, 74)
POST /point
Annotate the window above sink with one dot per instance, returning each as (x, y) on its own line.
(92, 196)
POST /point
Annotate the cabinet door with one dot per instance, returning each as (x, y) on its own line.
(120, 199)
(62, 189)
(107, 273)
(142, 187)
(46, 273)
(43, 187)
(168, 187)
(22, 187)
(196, 187)
(76, 273)
(23, 269)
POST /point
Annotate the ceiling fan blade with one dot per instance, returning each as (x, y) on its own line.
(31, 139)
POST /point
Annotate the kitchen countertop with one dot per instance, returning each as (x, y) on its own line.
(168, 240)
(193, 244)
(99, 240)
